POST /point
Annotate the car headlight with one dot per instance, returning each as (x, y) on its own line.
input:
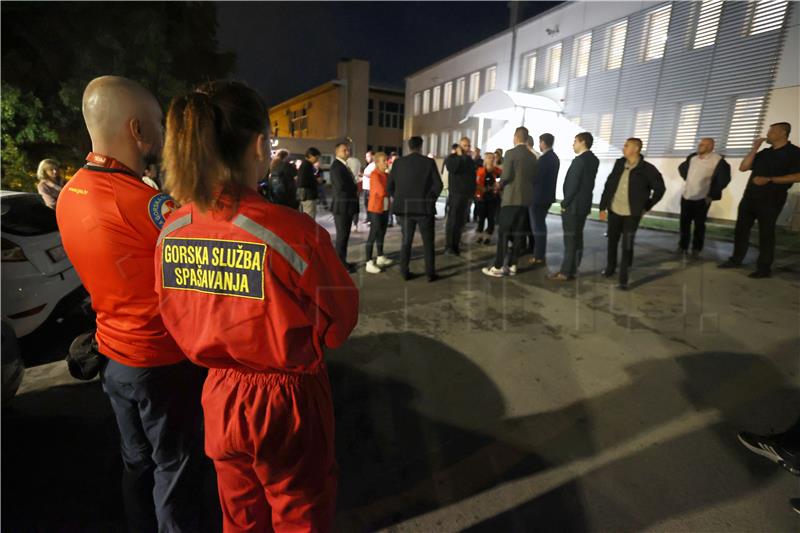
(12, 252)
(57, 254)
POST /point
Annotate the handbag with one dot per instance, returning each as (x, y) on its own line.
(83, 360)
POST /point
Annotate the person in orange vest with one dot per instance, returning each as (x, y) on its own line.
(255, 292)
(378, 214)
(486, 199)
(109, 220)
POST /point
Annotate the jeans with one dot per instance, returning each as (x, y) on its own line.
(377, 231)
(408, 225)
(693, 211)
(511, 222)
(538, 221)
(343, 225)
(625, 227)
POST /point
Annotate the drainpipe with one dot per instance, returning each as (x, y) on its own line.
(514, 7)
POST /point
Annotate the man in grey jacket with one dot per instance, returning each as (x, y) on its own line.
(516, 182)
(577, 204)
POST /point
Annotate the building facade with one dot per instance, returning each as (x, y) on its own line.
(667, 72)
(341, 109)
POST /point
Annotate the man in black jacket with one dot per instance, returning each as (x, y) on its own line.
(706, 174)
(307, 185)
(577, 204)
(415, 184)
(544, 194)
(632, 189)
(344, 202)
(461, 184)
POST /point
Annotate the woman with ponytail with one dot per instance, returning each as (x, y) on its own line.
(255, 292)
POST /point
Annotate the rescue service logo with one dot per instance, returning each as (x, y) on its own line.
(159, 207)
(229, 268)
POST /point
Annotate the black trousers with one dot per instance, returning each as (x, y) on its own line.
(456, 220)
(538, 223)
(486, 211)
(408, 225)
(625, 227)
(572, 224)
(343, 225)
(764, 209)
(512, 224)
(693, 212)
(377, 232)
(159, 417)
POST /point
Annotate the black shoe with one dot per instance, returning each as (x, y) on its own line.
(760, 274)
(729, 264)
(352, 268)
(449, 251)
(696, 254)
(607, 273)
(622, 286)
(769, 446)
(681, 251)
(433, 278)
(408, 276)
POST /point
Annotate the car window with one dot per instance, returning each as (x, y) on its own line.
(26, 215)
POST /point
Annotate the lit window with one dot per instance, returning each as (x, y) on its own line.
(426, 101)
(604, 131)
(687, 127)
(444, 147)
(447, 102)
(553, 63)
(745, 122)
(491, 78)
(583, 46)
(436, 97)
(644, 119)
(474, 86)
(460, 88)
(767, 16)
(657, 27)
(616, 44)
(707, 23)
(530, 70)
(433, 147)
(416, 104)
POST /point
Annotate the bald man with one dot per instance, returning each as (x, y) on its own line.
(706, 174)
(109, 221)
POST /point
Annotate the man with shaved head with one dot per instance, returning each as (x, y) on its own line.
(109, 221)
(706, 174)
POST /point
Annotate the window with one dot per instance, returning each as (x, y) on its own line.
(298, 122)
(767, 16)
(370, 108)
(416, 104)
(426, 101)
(745, 122)
(657, 27)
(434, 145)
(390, 115)
(474, 86)
(707, 23)
(530, 70)
(436, 97)
(553, 63)
(583, 46)
(604, 131)
(687, 127)
(644, 118)
(447, 103)
(460, 88)
(444, 147)
(616, 44)
(491, 78)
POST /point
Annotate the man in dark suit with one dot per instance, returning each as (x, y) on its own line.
(516, 181)
(544, 194)
(344, 202)
(632, 189)
(461, 188)
(577, 204)
(415, 184)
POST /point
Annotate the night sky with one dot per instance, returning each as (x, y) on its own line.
(285, 48)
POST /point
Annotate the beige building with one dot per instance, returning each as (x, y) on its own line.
(341, 109)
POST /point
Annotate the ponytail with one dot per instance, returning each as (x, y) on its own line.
(208, 131)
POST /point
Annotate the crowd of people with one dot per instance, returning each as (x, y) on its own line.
(214, 307)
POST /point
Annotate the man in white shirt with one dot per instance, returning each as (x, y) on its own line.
(707, 174)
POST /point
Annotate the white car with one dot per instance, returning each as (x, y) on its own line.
(38, 281)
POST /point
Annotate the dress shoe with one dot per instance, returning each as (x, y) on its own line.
(729, 264)
(607, 273)
(760, 274)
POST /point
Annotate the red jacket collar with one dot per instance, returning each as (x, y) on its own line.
(100, 160)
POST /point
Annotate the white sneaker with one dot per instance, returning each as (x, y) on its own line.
(512, 270)
(493, 272)
(384, 261)
(372, 268)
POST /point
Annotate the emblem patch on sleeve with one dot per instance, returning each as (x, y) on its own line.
(159, 207)
(230, 268)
